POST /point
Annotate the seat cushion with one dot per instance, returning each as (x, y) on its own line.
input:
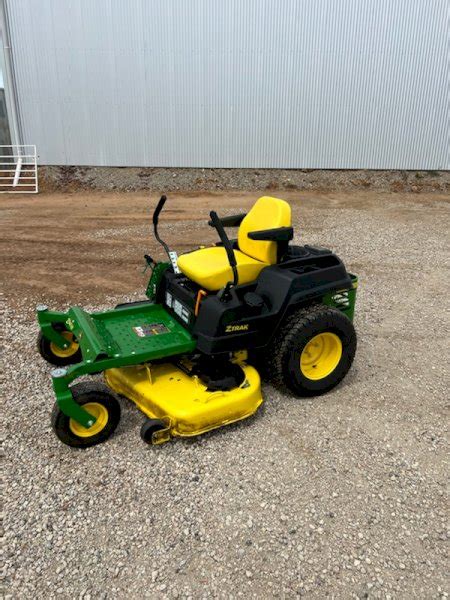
(210, 269)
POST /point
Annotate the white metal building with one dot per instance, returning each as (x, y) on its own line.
(329, 84)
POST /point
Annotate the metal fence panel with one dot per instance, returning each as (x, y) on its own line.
(18, 169)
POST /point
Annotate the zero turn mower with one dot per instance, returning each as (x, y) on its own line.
(188, 355)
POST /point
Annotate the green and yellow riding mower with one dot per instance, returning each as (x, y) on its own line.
(189, 356)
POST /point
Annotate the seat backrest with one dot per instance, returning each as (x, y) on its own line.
(266, 213)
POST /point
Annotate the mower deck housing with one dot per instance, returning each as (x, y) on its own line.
(164, 391)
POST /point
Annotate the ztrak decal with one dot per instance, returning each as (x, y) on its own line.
(233, 328)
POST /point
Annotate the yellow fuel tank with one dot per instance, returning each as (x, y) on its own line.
(163, 391)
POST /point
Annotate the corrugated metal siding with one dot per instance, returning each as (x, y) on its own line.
(234, 83)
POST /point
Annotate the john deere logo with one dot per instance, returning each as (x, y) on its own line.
(231, 328)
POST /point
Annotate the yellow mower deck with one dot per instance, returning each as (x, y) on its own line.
(163, 391)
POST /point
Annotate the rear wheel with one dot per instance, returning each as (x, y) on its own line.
(312, 351)
(98, 401)
(55, 355)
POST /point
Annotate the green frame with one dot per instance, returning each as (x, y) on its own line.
(97, 334)
(343, 300)
(46, 321)
(153, 283)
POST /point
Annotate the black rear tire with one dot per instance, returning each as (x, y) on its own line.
(102, 404)
(281, 360)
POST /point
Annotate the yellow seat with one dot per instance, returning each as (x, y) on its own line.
(209, 267)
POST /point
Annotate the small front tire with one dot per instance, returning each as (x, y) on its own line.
(149, 427)
(60, 357)
(97, 400)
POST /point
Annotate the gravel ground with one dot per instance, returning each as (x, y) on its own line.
(342, 496)
(52, 178)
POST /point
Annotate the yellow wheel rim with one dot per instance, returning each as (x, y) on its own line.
(65, 352)
(321, 355)
(101, 415)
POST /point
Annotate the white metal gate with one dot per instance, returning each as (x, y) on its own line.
(18, 169)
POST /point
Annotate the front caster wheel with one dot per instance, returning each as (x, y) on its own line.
(60, 357)
(97, 400)
(149, 427)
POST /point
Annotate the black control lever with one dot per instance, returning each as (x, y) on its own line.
(172, 255)
(226, 244)
(156, 212)
(158, 209)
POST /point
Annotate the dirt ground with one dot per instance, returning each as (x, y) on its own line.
(342, 496)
